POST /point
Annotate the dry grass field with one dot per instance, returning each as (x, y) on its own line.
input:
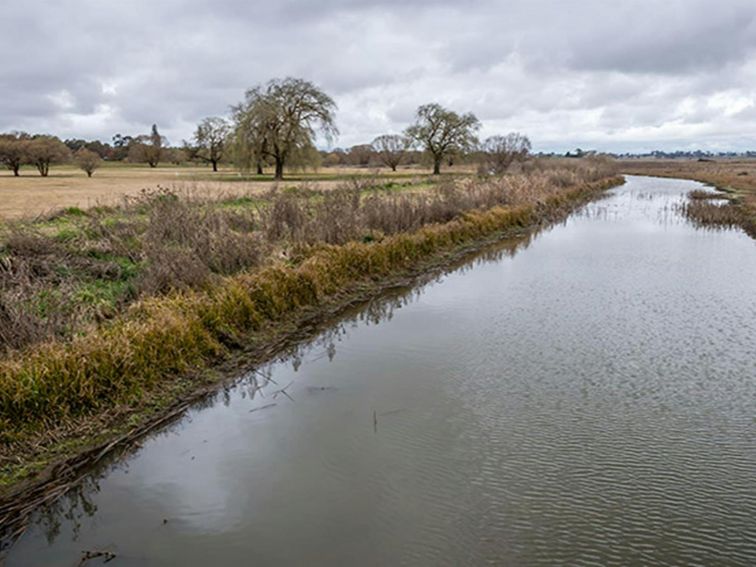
(32, 195)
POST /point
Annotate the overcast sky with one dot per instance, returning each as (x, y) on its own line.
(612, 75)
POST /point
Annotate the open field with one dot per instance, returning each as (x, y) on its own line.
(32, 195)
(736, 177)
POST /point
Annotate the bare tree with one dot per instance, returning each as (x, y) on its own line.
(148, 148)
(391, 149)
(280, 120)
(210, 141)
(87, 160)
(43, 151)
(14, 150)
(502, 151)
(360, 155)
(440, 132)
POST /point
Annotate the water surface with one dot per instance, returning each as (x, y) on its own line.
(588, 398)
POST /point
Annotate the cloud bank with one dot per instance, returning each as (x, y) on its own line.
(629, 75)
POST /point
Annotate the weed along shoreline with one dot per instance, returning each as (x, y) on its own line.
(67, 404)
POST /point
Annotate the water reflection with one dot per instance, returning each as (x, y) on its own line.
(584, 396)
(258, 385)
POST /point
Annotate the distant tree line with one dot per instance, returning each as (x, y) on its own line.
(276, 127)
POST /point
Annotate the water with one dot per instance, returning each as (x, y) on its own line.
(586, 398)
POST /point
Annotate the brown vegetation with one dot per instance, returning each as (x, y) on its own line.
(500, 152)
(31, 195)
(148, 148)
(87, 160)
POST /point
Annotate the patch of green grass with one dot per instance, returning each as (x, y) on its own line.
(104, 294)
(68, 233)
(47, 303)
(74, 212)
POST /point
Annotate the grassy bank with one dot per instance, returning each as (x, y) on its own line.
(736, 178)
(318, 252)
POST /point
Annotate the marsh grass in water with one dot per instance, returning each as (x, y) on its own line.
(713, 213)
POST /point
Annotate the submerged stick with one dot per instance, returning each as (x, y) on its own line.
(263, 407)
(87, 555)
(283, 391)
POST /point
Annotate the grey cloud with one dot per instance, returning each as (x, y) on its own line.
(558, 69)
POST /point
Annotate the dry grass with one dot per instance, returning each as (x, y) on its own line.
(706, 213)
(31, 195)
(79, 268)
(737, 177)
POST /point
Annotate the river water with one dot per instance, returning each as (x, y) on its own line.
(586, 397)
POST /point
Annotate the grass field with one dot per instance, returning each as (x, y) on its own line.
(32, 195)
(736, 177)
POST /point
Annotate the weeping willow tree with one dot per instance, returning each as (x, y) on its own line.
(443, 133)
(277, 123)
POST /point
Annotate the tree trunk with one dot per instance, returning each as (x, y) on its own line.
(279, 169)
(259, 168)
(215, 165)
(393, 167)
(437, 165)
(89, 174)
(15, 170)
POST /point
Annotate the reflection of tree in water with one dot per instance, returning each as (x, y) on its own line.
(74, 506)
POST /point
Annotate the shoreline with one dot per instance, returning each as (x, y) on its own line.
(316, 293)
(744, 215)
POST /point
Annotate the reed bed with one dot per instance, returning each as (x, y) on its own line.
(701, 195)
(709, 214)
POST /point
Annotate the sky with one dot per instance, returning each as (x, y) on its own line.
(610, 75)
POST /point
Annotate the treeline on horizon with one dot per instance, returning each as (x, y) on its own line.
(276, 126)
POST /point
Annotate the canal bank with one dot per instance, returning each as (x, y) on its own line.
(264, 312)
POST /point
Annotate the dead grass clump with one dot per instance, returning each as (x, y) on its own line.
(184, 244)
(713, 215)
(284, 217)
(701, 195)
